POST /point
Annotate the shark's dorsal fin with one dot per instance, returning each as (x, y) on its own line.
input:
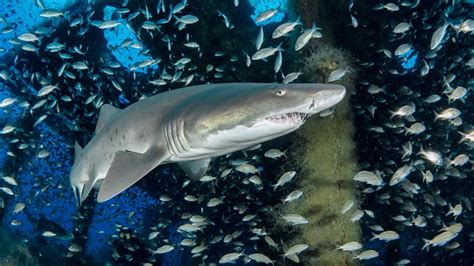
(107, 111)
(77, 150)
(127, 168)
(195, 169)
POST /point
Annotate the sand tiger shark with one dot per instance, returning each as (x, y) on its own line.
(190, 126)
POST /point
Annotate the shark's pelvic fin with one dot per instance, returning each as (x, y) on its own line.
(87, 188)
(195, 169)
(127, 168)
(107, 111)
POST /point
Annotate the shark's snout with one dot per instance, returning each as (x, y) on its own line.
(326, 97)
(335, 93)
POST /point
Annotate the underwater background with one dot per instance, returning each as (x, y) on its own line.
(386, 178)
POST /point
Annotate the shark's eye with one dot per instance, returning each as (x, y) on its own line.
(280, 92)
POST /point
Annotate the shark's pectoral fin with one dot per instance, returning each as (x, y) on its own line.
(107, 111)
(87, 189)
(195, 169)
(126, 169)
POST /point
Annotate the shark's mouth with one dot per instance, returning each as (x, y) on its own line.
(296, 118)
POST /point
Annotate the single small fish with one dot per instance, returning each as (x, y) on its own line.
(153, 235)
(354, 22)
(260, 39)
(10, 180)
(391, 7)
(266, 52)
(226, 19)
(265, 15)
(404, 111)
(403, 49)
(51, 13)
(425, 69)
(367, 255)
(439, 240)
(438, 36)
(230, 258)
(447, 114)
(207, 178)
(278, 62)
(294, 219)
(189, 228)
(270, 242)
(260, 258)
(198, 249)
(304, 38)
(29, 48)
(187, 19)
(109, 24)
(28, 37)
(19, 207)
(43, 154)
(296, 249)
(458, 93)
(7, 191)
(468, 136)
(431, 156)
(285, 28)
(163, 249)
(255, 180)
(347, 206)
(357, 215)
(190, 198)
(16, 223)
(187, 242)
(459, 160)
(402, 27)
(46, 90)
(246, 168)
(7, 129)
(80, 65)
(7, 102)
(351, 246)
(149, 25)
(455, 211)
(274, 154)
(368, 177)
(415, 129)
(386, 236)
(466, 26)
(74, 248)
(337, 74)
(432, 98)
(285, 178)
(291, 77)
(293, 196)
(400, 174)
(214, 202)
(49, 234)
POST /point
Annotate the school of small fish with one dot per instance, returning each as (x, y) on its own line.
(415, 133)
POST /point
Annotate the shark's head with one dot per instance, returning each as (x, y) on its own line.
(249, 113)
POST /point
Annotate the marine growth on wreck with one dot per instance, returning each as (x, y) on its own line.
(382, 177)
